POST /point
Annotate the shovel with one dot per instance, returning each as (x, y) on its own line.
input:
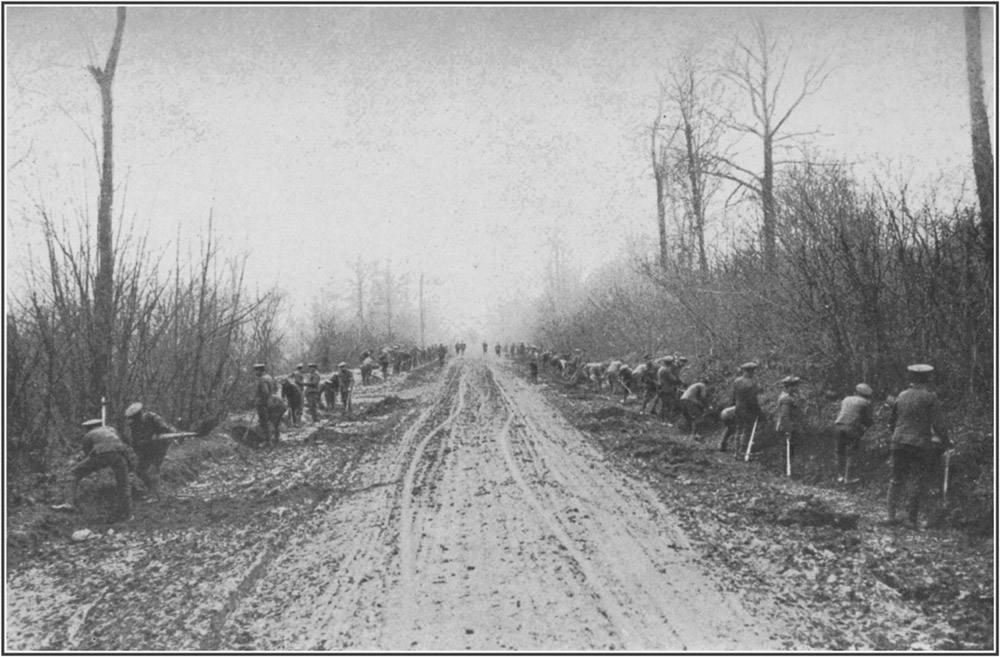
(753, 432)
(947, 468)
(788, 455)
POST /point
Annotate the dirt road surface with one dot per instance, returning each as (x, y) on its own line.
(473, 518)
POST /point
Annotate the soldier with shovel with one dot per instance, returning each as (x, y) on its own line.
(855, 415)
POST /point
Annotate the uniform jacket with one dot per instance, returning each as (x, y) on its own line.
(101, 440)
(150, 424)
(856, 413)
(265, 388)
(789, 413)
(745, 396)
(914, 414)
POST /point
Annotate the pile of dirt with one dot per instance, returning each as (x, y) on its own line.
(386, 406)
(608, 412)
(814, 512)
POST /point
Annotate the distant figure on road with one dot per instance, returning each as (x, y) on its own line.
(485, 347)
(854, 417)
(496, 349)
(270, 407)
(919, 437)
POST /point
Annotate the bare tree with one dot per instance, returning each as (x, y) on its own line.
(758, 70)
(659, 144)
(689, 91)
(104, 283)
(982, 156)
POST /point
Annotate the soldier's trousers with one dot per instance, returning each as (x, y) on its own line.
(914, 466)
(118, 462)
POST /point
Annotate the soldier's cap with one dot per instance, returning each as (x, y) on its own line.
(920, 368)
(259, 366)
(90, 424)
(299, 366)
(667, 359)
(311, 365)
(647, 357)
(790, 381)
(342, 365)
(748, 366)
(863, 389)
(133, 409)
(682, 360)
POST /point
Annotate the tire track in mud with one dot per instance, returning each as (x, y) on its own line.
(406, 499)
(642, 575)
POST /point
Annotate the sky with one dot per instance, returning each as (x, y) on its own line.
(444, 139)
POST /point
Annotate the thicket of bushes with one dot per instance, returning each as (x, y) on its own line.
(863, 285)
(184, 339)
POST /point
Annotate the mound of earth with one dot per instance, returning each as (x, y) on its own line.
(386, 405)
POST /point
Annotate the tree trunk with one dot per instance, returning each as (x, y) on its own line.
(982, 155)
(767, 201)
(104, 281)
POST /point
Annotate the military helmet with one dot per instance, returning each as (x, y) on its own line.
(863, 389)
(748, 366)
(133, 409)
(920, 368)
(790, 381)
(342, 365)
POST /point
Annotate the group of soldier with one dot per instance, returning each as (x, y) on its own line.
(142, 450)
(143, 447)
(919, 434)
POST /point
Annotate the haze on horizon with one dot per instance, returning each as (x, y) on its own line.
(449, 140)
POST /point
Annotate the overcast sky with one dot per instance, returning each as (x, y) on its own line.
(444, 138)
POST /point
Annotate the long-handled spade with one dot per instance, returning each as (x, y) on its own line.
(947, 469)
(753, 432)
(788, 454)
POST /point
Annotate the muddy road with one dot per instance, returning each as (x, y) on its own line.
(472, 516)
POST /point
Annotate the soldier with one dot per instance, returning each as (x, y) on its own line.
(728, 417)
(367, 365)
(298, 376)
(496, 349)
(276, 411)
(916, 418)
(266, 389)
(383, 363)
(747, 406)
(789, 418)
(855, 415)
(144, 428)
(312, 391)
(292, 394)
(533, 369)
(104, 448)
(346, 380)
(694, 403)
(646, 374)
(667, 382)
(263, 390)
(328, 391)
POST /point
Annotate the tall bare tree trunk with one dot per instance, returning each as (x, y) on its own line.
(104, 282)
(660, 174)
(982, 155)
(767, 201)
